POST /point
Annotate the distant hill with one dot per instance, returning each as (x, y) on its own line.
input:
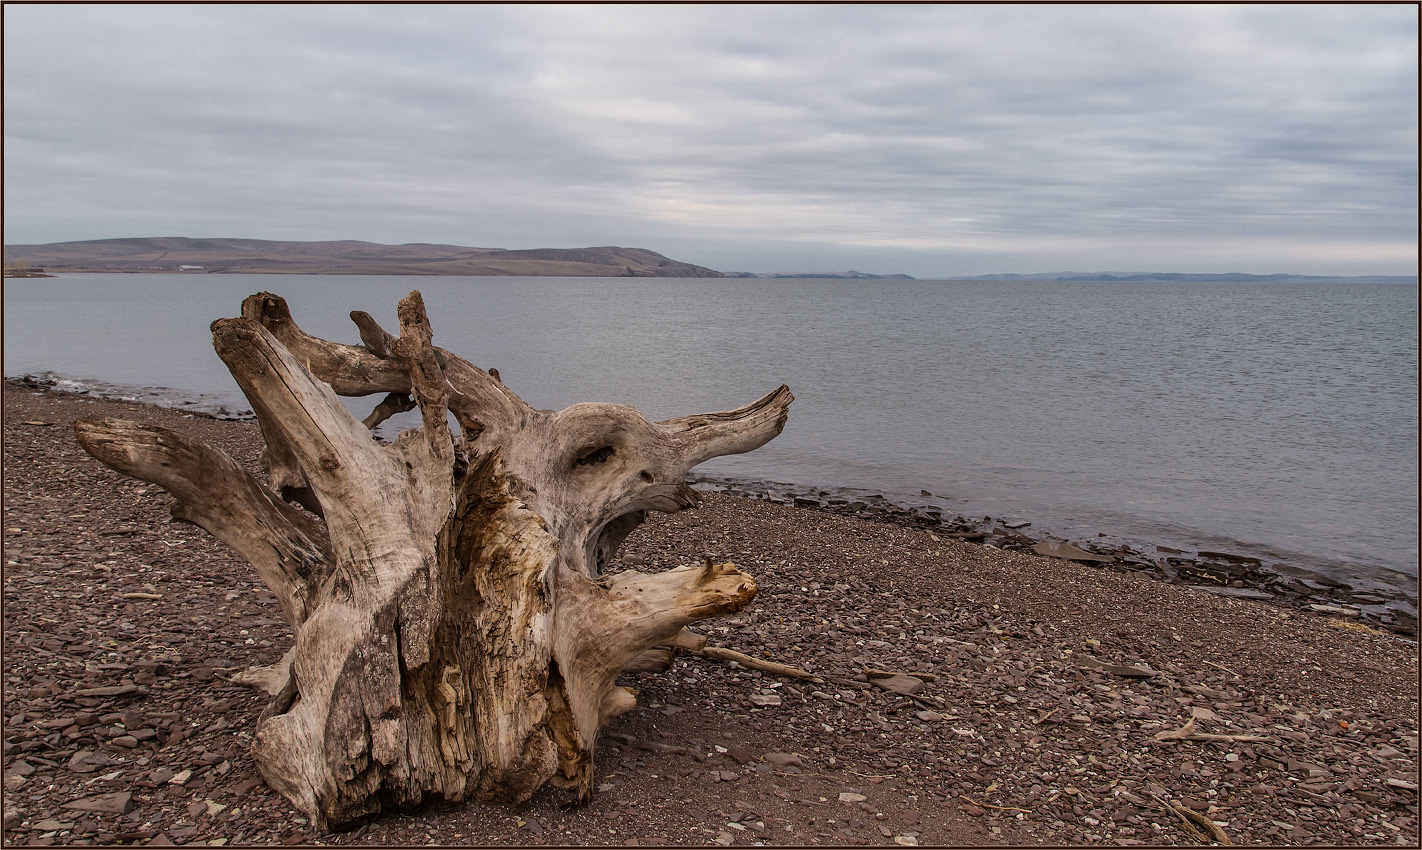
(830, 275)
(1179, 277)
(257, 256)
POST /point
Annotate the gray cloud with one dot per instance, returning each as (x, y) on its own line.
(926, 139)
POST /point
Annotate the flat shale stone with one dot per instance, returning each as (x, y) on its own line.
(115, 803)
(899, 683)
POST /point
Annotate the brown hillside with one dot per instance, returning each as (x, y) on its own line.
(258, 256)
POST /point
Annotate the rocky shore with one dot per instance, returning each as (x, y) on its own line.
(1220, 573)
(967, 690)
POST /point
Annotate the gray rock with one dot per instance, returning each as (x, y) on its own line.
(1335, 609)
(1226, 556)
(1129, 671)
(1234, 592)
(88, 761)
(111, 691)
(1068, 552)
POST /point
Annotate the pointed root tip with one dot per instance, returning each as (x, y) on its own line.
(266, 307)
(411, 309)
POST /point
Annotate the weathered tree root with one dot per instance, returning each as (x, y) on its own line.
(455, 638)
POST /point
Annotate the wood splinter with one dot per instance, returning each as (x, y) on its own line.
(968, 799)
(1189, 733)
(1190, 818)
(719, 654)
(889, 674)
(659, 658)
(455, 636)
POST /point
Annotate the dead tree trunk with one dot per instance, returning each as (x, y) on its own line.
(455, 638)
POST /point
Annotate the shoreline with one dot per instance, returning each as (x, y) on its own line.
(1221, 572)
(1050, 708)
(1104, 278)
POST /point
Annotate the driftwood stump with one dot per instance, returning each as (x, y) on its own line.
(455, 636)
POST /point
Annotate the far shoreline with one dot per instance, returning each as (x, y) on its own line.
(1164, 278)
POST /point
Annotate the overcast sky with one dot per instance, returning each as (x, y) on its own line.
(931, 140)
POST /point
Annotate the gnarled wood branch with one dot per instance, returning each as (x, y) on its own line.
(288, 548)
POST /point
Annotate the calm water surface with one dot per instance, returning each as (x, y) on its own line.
(1275, 419)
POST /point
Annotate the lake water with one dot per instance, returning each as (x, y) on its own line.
(1275, 420)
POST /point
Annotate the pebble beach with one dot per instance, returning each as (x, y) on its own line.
(965, 692)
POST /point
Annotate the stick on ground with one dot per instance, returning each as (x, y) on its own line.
(744, 660)
(991, 806)
(1189, 733)
(1189, 818)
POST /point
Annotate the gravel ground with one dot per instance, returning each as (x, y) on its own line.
(1041, 689)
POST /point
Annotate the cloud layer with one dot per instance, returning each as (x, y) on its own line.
(923, 139)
